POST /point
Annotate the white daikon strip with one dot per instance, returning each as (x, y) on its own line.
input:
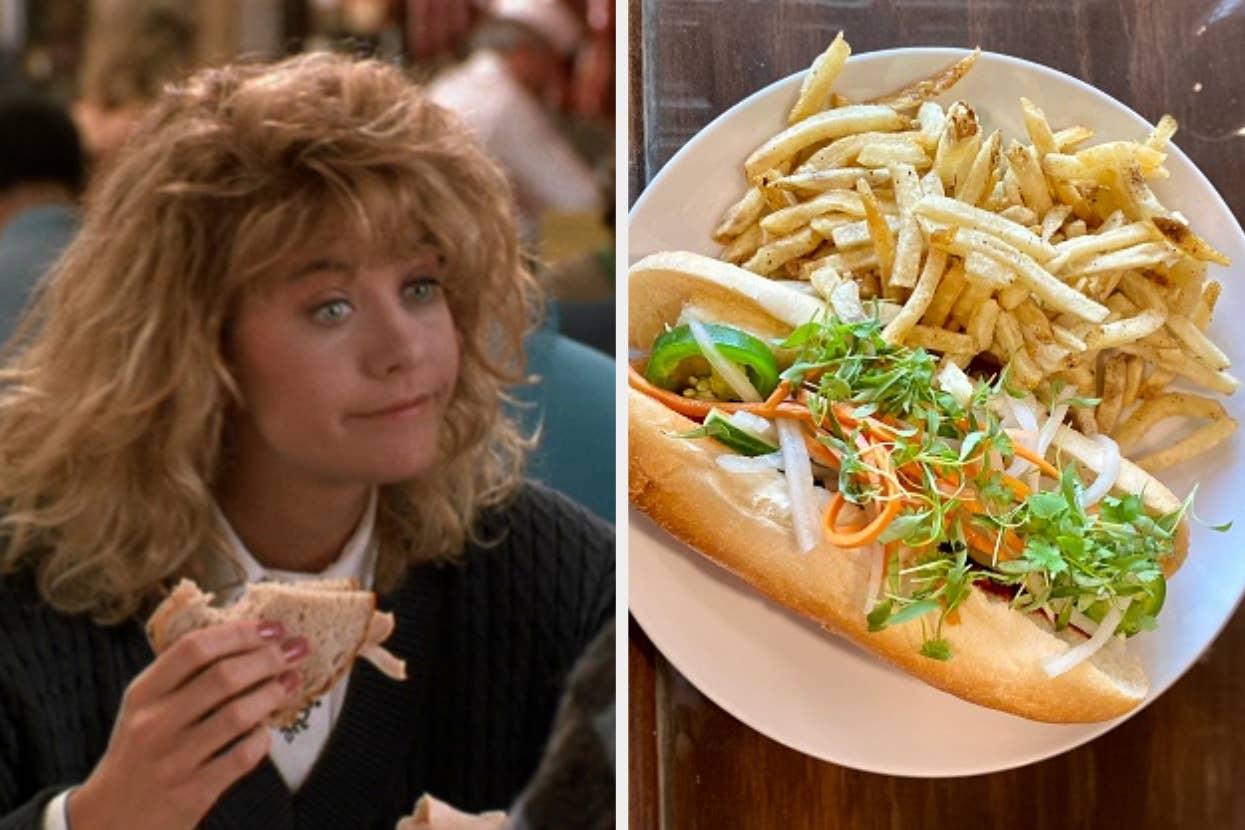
(758, 426)
(743, 464)
(799, 472)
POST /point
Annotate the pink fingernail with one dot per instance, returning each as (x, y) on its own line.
(271, 630)
(290, 681)
(295, 649)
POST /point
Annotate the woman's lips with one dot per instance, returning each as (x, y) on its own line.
(399, 409)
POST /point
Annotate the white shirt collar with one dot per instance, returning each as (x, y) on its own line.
(357, 559)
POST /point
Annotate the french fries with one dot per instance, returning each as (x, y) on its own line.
(931, 87)
(785, 220)
(820, 78)
(1150, 413)
(823, 126)
(1044, 251)
(879, 231)
(958, 213)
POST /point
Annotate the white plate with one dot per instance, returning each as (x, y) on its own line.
(781, 674)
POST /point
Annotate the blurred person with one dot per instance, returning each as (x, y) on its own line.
(592, 80)
(132, 49)
(506, 91)
(41, 173)
(434, 27)
(279, 348)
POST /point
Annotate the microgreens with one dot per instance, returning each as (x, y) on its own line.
(951, 455)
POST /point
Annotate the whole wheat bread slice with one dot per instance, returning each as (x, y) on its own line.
(339, 621)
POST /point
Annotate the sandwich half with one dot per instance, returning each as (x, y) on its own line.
(339, 621)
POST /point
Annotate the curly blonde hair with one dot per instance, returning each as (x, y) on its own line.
(113, 409)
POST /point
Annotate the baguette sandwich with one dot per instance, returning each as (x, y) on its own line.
(339, 621)
(949, 527)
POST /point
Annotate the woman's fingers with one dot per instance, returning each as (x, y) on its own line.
(228, 677)
(187, 657)
(190, 726)
(240, 715)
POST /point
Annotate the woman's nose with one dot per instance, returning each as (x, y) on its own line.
(392, 340)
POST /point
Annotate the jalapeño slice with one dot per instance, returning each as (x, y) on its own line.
(1143, 605)
(672, 350)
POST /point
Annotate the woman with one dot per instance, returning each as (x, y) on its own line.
(278, 349)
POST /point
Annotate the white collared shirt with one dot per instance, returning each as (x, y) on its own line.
(294, 751)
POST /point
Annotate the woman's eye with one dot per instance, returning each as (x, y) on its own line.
(334, 311)
(421, 289)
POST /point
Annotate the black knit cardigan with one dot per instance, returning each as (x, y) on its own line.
(488, 644)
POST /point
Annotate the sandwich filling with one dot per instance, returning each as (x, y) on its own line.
(944, 480)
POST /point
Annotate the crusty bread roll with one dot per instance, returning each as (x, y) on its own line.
(339, 622)
(742, 521)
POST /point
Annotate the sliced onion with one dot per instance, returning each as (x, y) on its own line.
(1022, 410)
(1083, 622)
(1076, 655)
(1047, 433)
(1108, 471)
(635, 354)
(756, 464)
(758, 426)
(799, 472)
(735, 377)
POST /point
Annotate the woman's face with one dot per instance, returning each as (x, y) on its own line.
(346, 369)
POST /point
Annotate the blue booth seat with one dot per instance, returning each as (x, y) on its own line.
(573, 405)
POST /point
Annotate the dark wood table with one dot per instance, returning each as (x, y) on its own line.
(1179, 763)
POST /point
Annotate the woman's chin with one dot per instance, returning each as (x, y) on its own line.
(395, 470)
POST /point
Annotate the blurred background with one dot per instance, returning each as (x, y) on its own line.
(533, 78)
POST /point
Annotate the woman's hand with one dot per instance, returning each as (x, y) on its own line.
(190, 725)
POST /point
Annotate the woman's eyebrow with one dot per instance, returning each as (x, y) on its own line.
(321, 265)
